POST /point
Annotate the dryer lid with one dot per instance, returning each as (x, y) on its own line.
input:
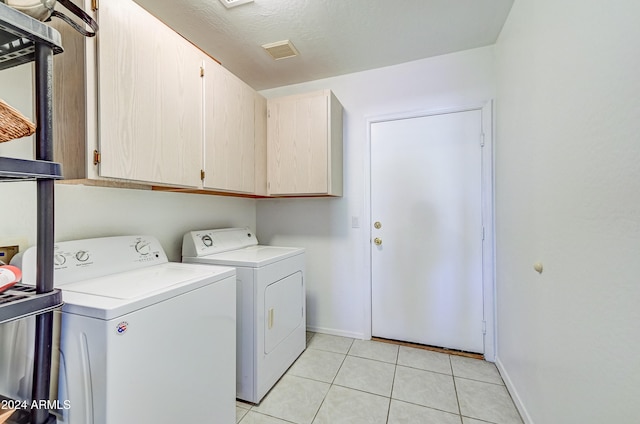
(251, 257)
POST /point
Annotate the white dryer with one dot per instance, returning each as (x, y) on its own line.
(142, 340)
(271, 311)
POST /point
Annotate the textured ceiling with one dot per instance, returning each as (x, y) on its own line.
(334, 37)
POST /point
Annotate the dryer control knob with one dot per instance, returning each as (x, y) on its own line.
(207, 240)
(59, 259)
(82, 255)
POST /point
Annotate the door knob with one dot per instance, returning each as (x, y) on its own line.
(378, 225)
(377, 241)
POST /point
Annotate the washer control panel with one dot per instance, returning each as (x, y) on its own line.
(91, 258)
(209, 242)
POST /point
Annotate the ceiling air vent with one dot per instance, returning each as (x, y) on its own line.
(233, 3)
(280, 49)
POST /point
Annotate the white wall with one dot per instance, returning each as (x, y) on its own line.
(84, 212)
(337, 274)
(568, 195)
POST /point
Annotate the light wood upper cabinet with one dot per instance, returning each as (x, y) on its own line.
(229, 158)
(304, 145)
(134, 96)
(138, 97)
(150, 98)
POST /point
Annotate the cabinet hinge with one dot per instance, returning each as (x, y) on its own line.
(201, 71)
(202, 174)
(482, 140)
(94, 5)
(484, 327)
(482, 233)
(96, 157)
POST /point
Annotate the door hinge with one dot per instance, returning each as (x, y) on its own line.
(202, 174)
(94, 5)
(482, 233)
(96, 157)
(201, 71)
(482, 140)
(484, 327)
(268, 113)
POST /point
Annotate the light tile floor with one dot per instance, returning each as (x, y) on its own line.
(342, 380)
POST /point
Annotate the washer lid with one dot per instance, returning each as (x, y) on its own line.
(252, 256)
(114, 295)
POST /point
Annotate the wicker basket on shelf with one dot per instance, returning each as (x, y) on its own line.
(13, 124)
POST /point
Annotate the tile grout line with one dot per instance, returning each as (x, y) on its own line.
(340, 367)
(479, 381)
(266, 415)
(455, 389)
(478, 419)
(393, 384)
(331, 384)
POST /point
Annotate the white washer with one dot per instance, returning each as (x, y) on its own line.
(271, 318)
(143, 340)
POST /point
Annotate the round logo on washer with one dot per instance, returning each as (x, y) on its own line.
(122, 327)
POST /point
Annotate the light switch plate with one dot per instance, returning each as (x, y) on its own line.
(355, 222)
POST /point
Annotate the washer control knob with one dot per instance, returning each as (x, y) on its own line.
(207, 240)
(143, 247)
(59, 259)
(82, 255)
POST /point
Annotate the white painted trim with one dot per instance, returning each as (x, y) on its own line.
(488, 245)
(367, 235)
(334, 332)
(422, 113)
(514, 393)
(488, 251)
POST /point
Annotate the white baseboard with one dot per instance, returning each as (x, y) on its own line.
(334, 332)
(513, 392)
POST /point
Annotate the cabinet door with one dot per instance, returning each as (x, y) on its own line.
(150, 98)
(261, 145)
(70, 102)
(297, 145)
(229, 131)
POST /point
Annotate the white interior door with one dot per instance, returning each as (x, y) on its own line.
(426, 194)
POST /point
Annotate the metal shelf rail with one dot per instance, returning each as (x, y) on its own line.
(22, 40)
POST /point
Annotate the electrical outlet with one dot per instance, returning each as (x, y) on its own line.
(7, 252)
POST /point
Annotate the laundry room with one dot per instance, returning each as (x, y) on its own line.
(554, 94)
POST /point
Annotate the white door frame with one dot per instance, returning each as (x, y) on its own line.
(488, 246)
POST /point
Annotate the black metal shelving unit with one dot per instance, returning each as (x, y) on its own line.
(23, 40)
